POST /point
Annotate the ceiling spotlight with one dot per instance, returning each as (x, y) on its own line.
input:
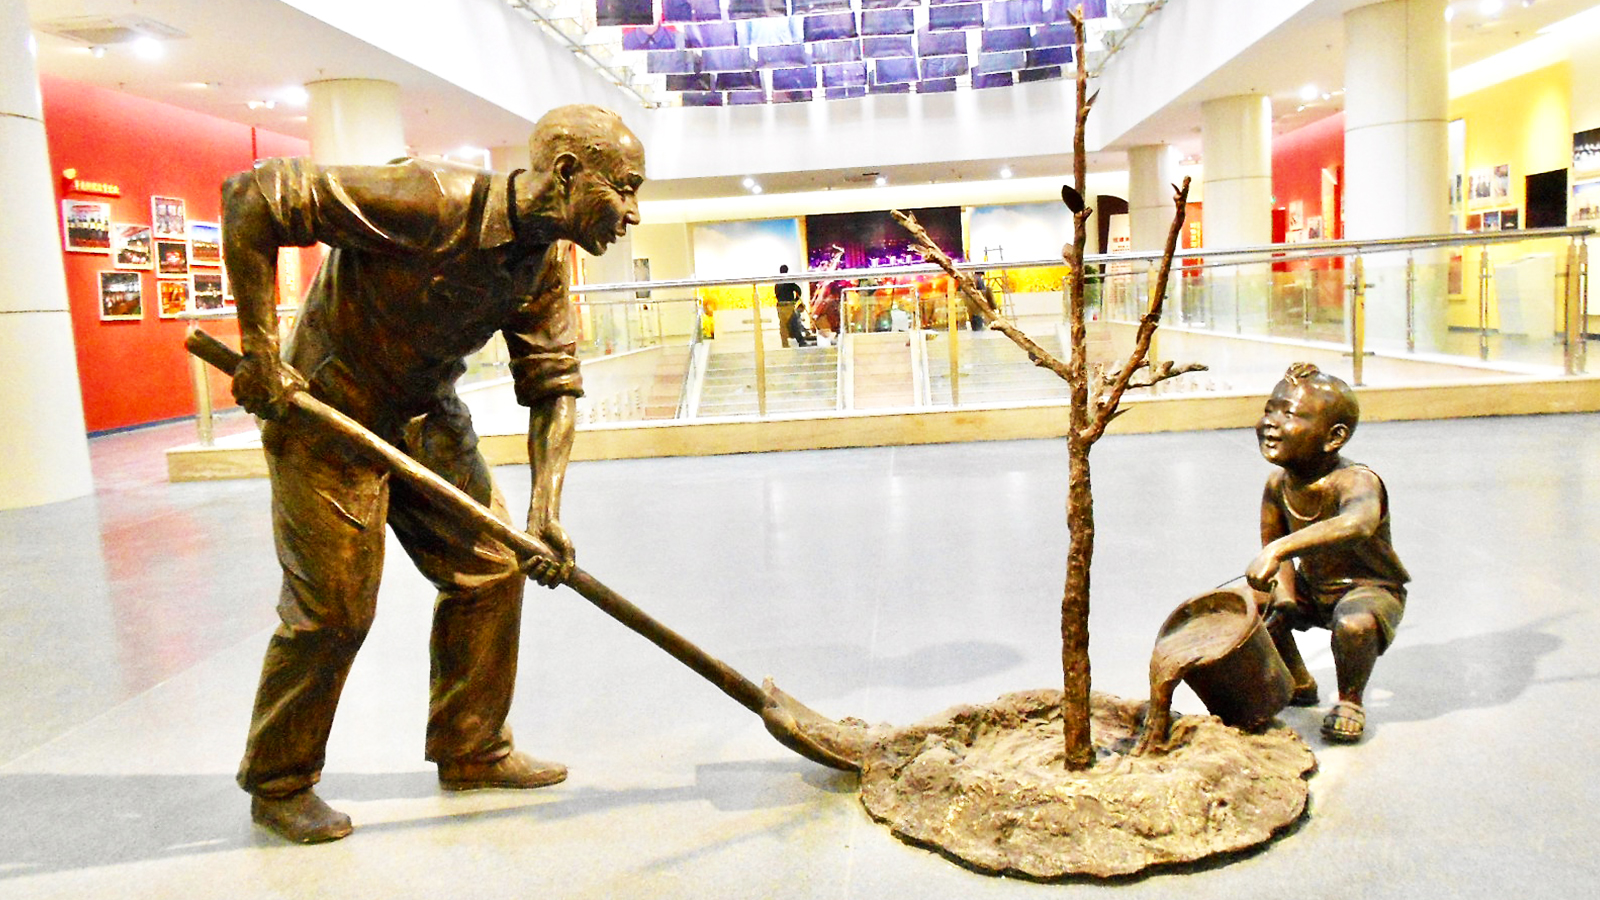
(1449, 14)
(748, 182)
(1005, 171)
(880, 181)
(1309, 93)
(755, 188)
(148, 48)
(97, 51)
(1491, 7)
(294, 95)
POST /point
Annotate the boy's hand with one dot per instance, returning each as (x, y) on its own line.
(1263, 570)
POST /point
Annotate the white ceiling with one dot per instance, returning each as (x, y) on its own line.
(237, 51)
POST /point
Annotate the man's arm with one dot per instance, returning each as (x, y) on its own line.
(262, 384)
(551, 425)
(1360, 514)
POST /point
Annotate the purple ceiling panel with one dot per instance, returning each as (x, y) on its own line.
(700, 81)
(936, 86)
(791, 96)
(702, 98)
(1027, 75)
(836, 51)
(894, 71)
(624, 12)
(943, 67)
(830, 26)
(660, 37)
(965, 15)
(725, 59)
(1049, 56)
(691, 10)
(883, 47)
(992, 80)
(844, 75)
(783, 56)
(846, 93)
(794, 79)
(710, 34)
(671, 62)
(888, 21)
(756, 9)
(942, 43)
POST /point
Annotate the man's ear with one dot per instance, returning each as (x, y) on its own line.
(566, 166)
(1337, 436)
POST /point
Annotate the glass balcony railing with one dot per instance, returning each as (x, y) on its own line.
(1409, 311)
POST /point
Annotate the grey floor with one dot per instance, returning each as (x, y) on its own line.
(883, 583)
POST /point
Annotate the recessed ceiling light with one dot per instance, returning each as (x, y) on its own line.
(755, 188)
(748, 182)
(1309, 93)
(149, 48)
(880, 181)
(1491, 7)
(294, 95)
(1005, 171)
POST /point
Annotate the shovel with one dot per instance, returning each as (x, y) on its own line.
(838, 744)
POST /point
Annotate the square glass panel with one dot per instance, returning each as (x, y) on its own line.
(846, 93)
(755, 9)
(888, 21)
(992, 80)
(671, 62)
(830, 26)
(944, 67)
(702, 98)
(894, 71)
(1027, 75)
(746, 98)
(735, 81)
(1001, 62)
(997, 40)
(782, 56)
(936, 86)
(896, 87)
(1050, 56)
(836, 51)
(725, 59)
(1052, 36)
(709, 34)
(624, 12)
(942, 43)
(700, 81)
(881, 47)
(965, 15)
(794, 79)
(691, 10)
(762, 32)
(660, 37)
(844, 75)
(791, 96)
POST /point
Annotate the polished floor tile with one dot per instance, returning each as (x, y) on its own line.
(884, 583)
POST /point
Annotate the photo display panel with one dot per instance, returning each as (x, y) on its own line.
(713, 52)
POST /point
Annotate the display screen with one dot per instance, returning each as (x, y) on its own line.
(713, 52)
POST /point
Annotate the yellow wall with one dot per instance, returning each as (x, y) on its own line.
(1525, 121)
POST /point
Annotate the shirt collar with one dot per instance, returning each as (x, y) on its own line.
(498, 227)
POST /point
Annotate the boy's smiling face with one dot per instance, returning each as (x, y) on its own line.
(1297, 428)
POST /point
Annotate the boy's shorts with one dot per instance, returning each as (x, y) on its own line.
(1319, 608)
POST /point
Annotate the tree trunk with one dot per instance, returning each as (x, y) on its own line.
(1079, 749)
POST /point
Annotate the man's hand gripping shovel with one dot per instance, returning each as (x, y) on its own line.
(839, 744)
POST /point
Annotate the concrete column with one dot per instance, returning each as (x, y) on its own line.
(44, 453)
(1236, 148)
(355, 121)
(1152, 171)
(1396, 150)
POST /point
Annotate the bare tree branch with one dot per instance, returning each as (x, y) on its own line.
(1147, 325)
(974, 298)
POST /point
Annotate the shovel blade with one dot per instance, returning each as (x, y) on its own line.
(841, 744)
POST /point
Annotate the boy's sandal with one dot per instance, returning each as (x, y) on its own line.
(1304, 695)
(1344, 723)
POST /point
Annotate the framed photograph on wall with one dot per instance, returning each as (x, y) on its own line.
(168, 217)
(172, 259)
(86, 226)
(205, 244)
(1491, 220)
(172, 298)
(1586, 151)
(1509, 219)
(131, 246)
(121, 296)
(1585, 202)
(1502, 181)
(206, 289)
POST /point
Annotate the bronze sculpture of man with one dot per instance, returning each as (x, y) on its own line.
(428, 260)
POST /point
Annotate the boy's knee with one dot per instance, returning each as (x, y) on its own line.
(1355, 626)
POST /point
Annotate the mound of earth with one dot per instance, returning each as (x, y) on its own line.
(986, 785)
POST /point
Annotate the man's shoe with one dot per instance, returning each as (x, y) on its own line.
(301, 817)
(514, 770)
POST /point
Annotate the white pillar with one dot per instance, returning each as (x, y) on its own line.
(44, 453)
(355, 121)
(1396, 151)
(1152, 171)
(1236, 148)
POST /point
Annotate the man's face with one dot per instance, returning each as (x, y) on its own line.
(1296, 425)
(605, 194)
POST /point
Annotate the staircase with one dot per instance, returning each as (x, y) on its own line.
(993, 370)
(799, 379)
(881, 367)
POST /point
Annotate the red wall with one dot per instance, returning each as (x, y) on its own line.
(1298, 159)
(134, 372)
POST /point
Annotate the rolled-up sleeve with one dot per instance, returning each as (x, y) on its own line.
(397, 208)
(542, 338)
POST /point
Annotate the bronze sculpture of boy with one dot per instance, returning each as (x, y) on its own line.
(1332, 515)
(428, 261)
